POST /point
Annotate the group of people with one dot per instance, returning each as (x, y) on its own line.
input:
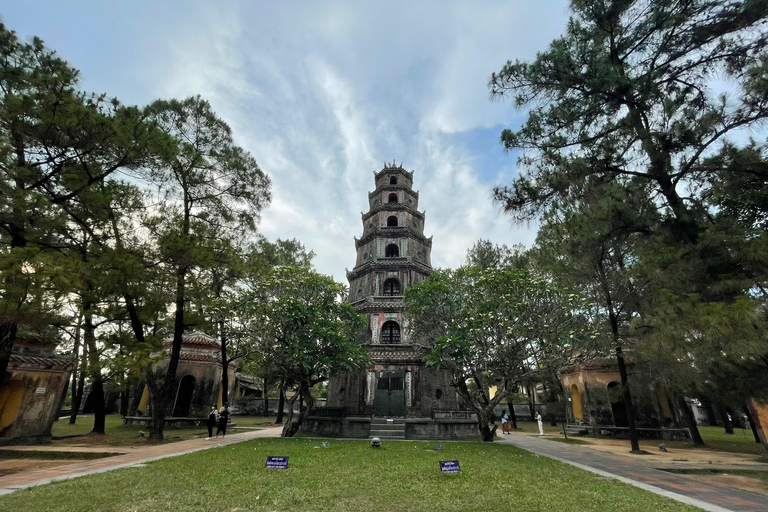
(218, 418)
(505, 423)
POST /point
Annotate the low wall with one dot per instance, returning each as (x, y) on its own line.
(415, 428)
(169, 422)
(444, 428)
(643, 433)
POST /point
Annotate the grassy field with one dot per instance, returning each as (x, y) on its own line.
(118, 434)
(347, 476)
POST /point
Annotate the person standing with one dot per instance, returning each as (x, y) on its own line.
(505, 423)
(539, 421)
(223, 418)
(213, 419)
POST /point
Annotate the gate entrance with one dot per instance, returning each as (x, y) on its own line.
(390, 397)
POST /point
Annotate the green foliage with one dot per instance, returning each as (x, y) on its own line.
(496, 327)
(647, 206)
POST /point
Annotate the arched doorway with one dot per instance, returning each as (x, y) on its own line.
(393, 180)
(184, 397)
(390, 333)
(392, 221)
(576, 402)
(392, 198)
(11, 394)
(618, 408)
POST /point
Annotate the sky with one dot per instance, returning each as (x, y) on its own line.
(323, 93)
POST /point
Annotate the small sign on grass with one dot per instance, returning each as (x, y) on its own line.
(277, 463)
(450, 466)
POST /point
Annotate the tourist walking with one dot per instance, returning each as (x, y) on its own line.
(505, 423)
(213, 420)
(541, 425)
(223, 418)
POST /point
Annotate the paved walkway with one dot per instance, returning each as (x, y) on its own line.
(41, 476)
(707, 496)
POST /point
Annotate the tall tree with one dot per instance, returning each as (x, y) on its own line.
(306, 332)
(214, 190)
(493, 328)
(55, 143)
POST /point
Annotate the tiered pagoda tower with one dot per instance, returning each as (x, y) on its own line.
(392, 255)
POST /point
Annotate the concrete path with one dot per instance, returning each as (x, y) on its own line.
(41, 476)
(679, 487)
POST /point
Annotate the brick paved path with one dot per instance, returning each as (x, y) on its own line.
(25, 479)
(640, 474)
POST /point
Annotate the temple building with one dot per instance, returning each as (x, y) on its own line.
(199, 382)
(32, 396)
(392, 255)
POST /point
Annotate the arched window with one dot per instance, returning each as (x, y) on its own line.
(390, 332)
(392, 251)
(392, 198)
(392, 287)
(391, 221)
(393, 180)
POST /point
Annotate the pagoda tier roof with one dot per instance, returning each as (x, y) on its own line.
(375, 303)
(385, 353)
(389, 264)
(392, 206)
(382, 188)
(392, 232)
(393, 169)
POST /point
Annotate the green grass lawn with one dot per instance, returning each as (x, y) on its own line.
(348, 476)
(715, 438)
(118, 434)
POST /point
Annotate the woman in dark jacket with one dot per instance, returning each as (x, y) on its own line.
(223, 418)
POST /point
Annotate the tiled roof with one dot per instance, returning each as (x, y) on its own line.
(195, 338)
(49, 362)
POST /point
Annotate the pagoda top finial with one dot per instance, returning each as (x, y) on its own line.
(393, 165)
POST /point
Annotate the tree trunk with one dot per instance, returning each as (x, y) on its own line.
(99, 416)
(633, 438)
(158, 406)
(280, 403)
(512, 416)
(690, 421)
(727, 424)
(484, 417)
(77, 397)
(266, 399)
(752, 424)
(124, 400)
(224, 366)
(94, 369)
(305, 395)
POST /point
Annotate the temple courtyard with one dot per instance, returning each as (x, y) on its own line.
(548, 473)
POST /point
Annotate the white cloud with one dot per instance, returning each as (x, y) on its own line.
(323, 93)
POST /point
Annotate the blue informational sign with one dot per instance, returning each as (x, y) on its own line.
(450, 466)
(277, 463)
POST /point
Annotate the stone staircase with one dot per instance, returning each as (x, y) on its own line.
(384, 428)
